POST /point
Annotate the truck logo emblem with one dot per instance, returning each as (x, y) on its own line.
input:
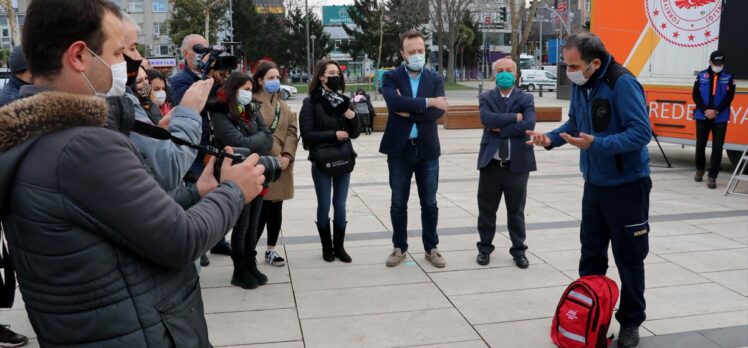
(685, 23)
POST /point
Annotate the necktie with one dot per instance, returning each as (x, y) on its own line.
(504, 144)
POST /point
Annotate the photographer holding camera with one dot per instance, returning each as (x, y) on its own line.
(237, 122)
(103, 254)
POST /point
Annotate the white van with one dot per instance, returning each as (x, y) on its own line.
(532, 80)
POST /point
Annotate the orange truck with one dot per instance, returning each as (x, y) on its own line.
(665, 43)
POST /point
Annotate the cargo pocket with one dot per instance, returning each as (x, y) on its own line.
(184, 319)
(638, 237)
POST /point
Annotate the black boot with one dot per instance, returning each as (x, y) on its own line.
(326, 239)
(241, 276)
(252, 269)
(338, 240)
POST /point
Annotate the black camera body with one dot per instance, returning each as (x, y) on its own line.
(272, 165)
(218, 59)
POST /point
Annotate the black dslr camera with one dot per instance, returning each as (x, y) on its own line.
(272, 165)
(218, 59)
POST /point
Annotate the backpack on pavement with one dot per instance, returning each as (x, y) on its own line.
(584, 312)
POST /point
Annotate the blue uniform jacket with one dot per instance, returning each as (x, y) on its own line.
(723, 96)
(618, 119)
(398, 127)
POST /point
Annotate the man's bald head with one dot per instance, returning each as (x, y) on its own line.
(504, 64)
(188, 42)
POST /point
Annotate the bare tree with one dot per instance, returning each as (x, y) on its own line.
(436, 9)
(15, 37)
(449, 13)
(208, 5)
(521, 18)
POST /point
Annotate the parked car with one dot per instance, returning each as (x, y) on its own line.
(288, 92)
(532, 80)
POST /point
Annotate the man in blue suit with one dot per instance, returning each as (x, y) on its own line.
(415, 100)
(505, 161)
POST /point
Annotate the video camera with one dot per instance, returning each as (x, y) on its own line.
(218, 59)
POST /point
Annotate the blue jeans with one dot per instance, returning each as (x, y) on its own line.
(323, 185)
(402, 169)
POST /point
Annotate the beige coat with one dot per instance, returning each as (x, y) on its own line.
(285, 141)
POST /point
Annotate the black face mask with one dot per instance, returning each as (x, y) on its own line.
(335, 83)
(133, 67)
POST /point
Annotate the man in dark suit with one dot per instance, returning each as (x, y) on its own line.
(415, 100)
(505, 161)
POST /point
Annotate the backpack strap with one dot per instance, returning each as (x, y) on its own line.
(615, 71)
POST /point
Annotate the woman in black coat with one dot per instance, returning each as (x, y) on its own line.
(237, 123)
(326, 118)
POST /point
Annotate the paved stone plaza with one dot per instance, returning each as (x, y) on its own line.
(697, 268)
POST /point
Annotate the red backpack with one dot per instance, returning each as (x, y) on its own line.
(583, 314)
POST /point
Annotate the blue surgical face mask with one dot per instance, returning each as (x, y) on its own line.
(272, 86)
(504, 80)
(416, 62)
(244, 97)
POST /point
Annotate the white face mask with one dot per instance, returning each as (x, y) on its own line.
(160, 97)
(244, 97)
(416, 62)
(119, 78)
(578, 76)
(717, 69)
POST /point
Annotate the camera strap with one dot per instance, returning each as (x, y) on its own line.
(155, 132)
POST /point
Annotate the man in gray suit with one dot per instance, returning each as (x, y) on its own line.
(505, 161)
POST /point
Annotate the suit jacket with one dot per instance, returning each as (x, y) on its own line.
(494, 114)
(396, 134)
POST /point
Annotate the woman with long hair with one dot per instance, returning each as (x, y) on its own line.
(160, 91)
(327, 124)
(282, 122)
(237, 123)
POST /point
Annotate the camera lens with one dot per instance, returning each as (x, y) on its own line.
(272, 168)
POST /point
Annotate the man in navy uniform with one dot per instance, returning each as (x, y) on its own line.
(713, 93)
(608, 122)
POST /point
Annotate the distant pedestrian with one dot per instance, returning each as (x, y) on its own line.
(713, 93)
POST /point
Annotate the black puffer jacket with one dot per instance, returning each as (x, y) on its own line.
(319, 121)
(253, 134)
(104, 257)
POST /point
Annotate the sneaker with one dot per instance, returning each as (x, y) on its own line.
(628, 337)
(435, 258)
(395, 258)
(273, 258)
(8, 338)
(204, 260)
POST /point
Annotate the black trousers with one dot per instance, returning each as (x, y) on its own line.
(244, 234)
(618, 215)
(494, 182)
(272, 216)
(718, 130)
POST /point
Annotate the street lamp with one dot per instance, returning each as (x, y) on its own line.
(306, 17)
(313, 37)
(564, 25)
